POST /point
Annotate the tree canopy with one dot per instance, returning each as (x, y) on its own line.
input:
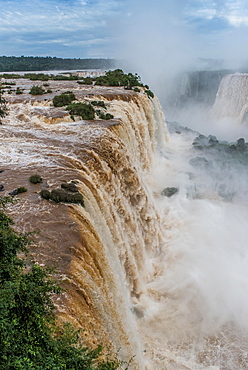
(11, 64)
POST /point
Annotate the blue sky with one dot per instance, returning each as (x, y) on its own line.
(105, 28)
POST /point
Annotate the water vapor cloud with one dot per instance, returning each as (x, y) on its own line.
(161, 38)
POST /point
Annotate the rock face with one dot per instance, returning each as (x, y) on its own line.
(99, 249)
(168, 192)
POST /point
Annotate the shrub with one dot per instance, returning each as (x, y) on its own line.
(19, 91)
(35, 179)
(49, 91)
(98, 103)
(21, 189)
(86, 81)
(29, 336)
(102, 115)
(36, 90)
(136, 89)
(149, 93)
(45, 194)
(68, 193)
(69, 187)
(84, 110)
(63, 99)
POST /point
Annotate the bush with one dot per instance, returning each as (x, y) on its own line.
(29, 337)
(19, 91)
(68, 193)
(84, 110)
(136, 89)
(69, 187)
(86, 81)
(45, 194)
(102, 115)
(63, 99)
(98, 103)
(36, 90)
(35, 179)
(149, 93)
(21, 189)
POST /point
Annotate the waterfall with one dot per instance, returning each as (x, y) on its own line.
(159, 280)
(231, 98)
(103, 250)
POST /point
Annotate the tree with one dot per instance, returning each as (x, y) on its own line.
(29, 337)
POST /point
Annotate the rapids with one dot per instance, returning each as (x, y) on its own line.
(160, 280)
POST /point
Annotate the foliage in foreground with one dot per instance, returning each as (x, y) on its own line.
(29, 338)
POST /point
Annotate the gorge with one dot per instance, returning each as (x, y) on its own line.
(159, 280)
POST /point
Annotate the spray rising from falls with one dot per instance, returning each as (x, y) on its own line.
(158, 277)
(231, 99)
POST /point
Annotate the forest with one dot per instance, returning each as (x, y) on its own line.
(15, 64)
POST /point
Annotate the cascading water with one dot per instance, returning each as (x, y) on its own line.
(159, 278)
(231, 99)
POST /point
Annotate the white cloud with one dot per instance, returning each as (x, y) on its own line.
(38, 21)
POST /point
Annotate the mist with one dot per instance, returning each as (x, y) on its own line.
(195, 308)
(164, 40)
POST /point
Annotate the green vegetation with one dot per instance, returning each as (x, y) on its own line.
(35, 179)
(30, 339)
(149, 93)
(63, 99)
(19, 91)
(36, 90)
(68, 193)
(105, 116)
(3, 106)
(85, 81)
(116, 78)
(21, 189)
(9, 64)
(98, 103)
(84, 110)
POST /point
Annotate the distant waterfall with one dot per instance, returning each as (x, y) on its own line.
(231, 100)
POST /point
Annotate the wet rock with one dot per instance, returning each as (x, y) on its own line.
(168, 192)
(212, 140)
(202, 141)
(14, 193)
(240, 145)
(17, 191)
(199, 162)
